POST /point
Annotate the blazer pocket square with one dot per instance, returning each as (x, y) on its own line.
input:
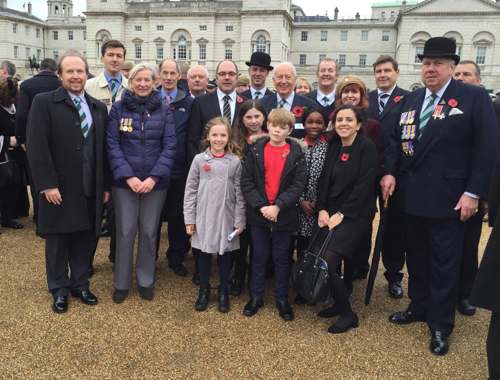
(455, 111)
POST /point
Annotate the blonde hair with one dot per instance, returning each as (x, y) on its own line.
(140, 67)
(305, 81)
(231, 147)
(280, 116)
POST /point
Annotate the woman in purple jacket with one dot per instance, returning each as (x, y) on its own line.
(141, 149)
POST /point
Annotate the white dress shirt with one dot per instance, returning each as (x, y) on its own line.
(330, 96)
(289, 101)
(232, 102)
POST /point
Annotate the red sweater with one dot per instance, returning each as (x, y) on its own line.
(274, 163)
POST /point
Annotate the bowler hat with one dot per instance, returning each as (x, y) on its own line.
(261, 59)
(440, 47)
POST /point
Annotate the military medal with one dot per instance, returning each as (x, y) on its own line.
(402, 119)
(411, 117)
(438, 112)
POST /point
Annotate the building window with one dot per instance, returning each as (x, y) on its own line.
(16, 51)
(392, 15)
(343, 35)
(228, 52)
(203, 28)
(55, 53)
(324, 35)
(383, 16)
(55, 35)
(159, 52)
(14, 28)
(364, 35)
(261, 44)
(229, 28)
(138, 28)
(39, 54)
(37, 33)
(70, 35)
(302, 59)
(303, 35)
(481, 55)
(362, 59)
(159, 28)
(202, 54)
(386, 35)
(341, 60)
(84, 35)
(321, 57)
(418, 50)
(138, 50)
(27, 29)
(28, 52)
(182, 49)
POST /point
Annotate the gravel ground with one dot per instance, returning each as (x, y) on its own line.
(167, 339)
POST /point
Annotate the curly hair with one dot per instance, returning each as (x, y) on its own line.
(231, 147)
(8, 91)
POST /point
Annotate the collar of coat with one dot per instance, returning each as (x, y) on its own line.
(61, 95)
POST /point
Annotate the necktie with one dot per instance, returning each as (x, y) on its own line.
(325, 101)
(382, 101)
(168, 99)
(84, 125)
(281, 103)
(426, 113)
(227, 108)
(257, 95)
(114, 86)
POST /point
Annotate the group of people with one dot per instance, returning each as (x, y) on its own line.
(253, 177)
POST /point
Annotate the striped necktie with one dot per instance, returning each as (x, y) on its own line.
(281, 103)
(114, 86)
(325, 101)
(257, 95)
(382, 101)
(425, 115)
(84, 125)
(227, 108)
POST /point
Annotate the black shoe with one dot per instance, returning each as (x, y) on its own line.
(105, 233)
(180, 270)
(299, 300)
(344, 323)
(196, 279)
(395, 289)
(252, 307)
(203, 298)
(85, 296)
(12, 224)
(285, 310)
(236, 288)
(439, 343)
(329, 312)
(223, 299)
(120, 295)
(465, 308)
(60, 304)
(405, 318)
(146, 293)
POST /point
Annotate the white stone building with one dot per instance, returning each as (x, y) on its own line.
(206, 31)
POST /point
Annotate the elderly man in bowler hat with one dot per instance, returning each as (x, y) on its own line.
(441, 158)
(259, 67)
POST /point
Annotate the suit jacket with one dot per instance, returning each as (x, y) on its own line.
(42, 82)
(205, 108)
(299, 102)
(455, 153)
(326, 110)
(56, 155)
(248, 94)
(496, 105)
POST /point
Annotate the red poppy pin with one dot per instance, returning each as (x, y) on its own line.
(397, 99)
(452, 103)
(344, 157)
(206, 167)
(298, 111)
(239, 99)
(285, 154)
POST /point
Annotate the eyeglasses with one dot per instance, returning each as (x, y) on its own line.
(227, 74)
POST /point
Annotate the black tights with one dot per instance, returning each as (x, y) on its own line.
(337, 284)
(224, 263)
(493, 346)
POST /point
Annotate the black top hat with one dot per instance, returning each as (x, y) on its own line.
(260, 59)
(440, 47)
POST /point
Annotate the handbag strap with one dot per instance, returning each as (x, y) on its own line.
(322, 250)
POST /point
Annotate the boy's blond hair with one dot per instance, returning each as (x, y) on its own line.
(280, 116)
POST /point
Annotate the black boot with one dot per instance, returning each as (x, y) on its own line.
(346, 322)
(223, 299)
(203, 298)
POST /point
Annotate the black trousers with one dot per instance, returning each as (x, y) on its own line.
(393, 249)
(434, 254)
(339, 289)
(241, 267)
(493, 347)
(68, 250)
(224, 263)
(470, 257)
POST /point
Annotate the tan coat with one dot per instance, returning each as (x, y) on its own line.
(214, 203)
(98, 88)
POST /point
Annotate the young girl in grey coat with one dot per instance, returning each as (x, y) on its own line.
(214, 209)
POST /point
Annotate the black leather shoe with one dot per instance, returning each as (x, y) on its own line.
(465, 308)
(146, 293)
(252, 307)
(180, 270)
(85, 296)
(395, 289)
(12, 224)
(223, 300)
(329, 312)
(196, 279)
(203, 299)
(60, 304)
(344, 323)
(119, 295)
(236, 288)
(285, 310)
(439, 343)
(405, 318)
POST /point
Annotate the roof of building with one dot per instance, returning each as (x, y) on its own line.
(392, 4)
(18, 14)
(311, 18)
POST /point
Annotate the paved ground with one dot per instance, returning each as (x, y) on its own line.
(167, 339)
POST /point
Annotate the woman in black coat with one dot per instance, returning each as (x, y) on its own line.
(486, 291)
(346, 203)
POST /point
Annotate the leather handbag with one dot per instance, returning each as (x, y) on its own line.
(310, 277)
(9, 172)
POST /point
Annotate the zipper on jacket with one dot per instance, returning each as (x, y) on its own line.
(143, 142)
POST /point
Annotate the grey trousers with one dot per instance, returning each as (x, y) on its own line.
(136, 213)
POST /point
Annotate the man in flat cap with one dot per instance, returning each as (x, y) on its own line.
(441, 158)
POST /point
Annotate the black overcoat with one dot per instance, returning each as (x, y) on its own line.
(54, 145)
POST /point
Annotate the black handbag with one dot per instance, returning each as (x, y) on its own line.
(310, 276)
(10, 173)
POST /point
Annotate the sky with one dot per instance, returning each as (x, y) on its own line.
(347, 8)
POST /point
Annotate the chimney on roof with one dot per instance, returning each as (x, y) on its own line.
(358, 17)
(336, 14)
(29, 8)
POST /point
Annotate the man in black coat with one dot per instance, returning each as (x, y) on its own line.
(259, 67)
(383, 106)
(284, 78)
(324, 96)
(66, 151)
(442, 159)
